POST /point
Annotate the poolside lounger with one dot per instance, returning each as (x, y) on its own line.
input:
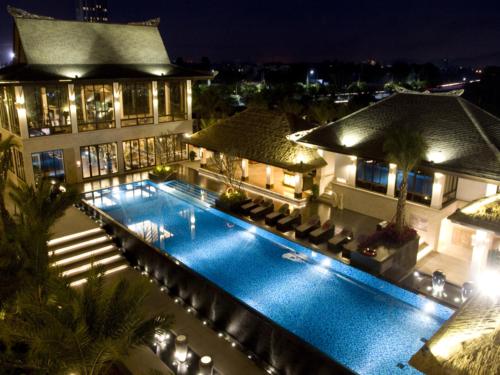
(338, 241)
(287, 222)
(303, 230)
(265, 208)
(323, 233)
(273, 217)
(247, 207)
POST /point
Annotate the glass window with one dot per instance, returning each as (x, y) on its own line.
(18, 163)
(99, 160)
(172, 102)
(94, 107)
(450, 189)
(419, 186)
(47, 110)
(139, 153)
(8, 112)
(170, 148)
(372, 175)
(48, 164)
(137, 104)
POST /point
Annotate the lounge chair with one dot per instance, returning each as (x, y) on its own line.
(263, 209)
(303, 230)
(247, 207)
(338, 241)
(286, 223)
(273, 217)
(323, 233)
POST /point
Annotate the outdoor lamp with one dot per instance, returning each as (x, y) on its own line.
(467, 290)
(206, 365)
(438, 281)
(181, 348)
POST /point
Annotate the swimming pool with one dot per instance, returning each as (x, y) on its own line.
(364, 323)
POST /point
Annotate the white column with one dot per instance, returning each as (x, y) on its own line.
(189, 94)
(391, 180)
(244, 169)
(120, 158)
(155, 102)
(298, 185)
(72, 108)
(327, 173)
(118, 103)
(269, 177)
(482, 242)
(437, 190)
(491, 189)
(351, 172)
(21, 112)
(203, 156)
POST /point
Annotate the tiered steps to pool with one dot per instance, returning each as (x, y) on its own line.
(74, 254)
(193, 191)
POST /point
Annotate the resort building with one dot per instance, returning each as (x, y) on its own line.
(346, 163)
(87, 100)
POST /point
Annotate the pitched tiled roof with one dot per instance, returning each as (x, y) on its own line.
(58, 42)
(462, 138)
(57, 49)
(483, 213)
(260, 135)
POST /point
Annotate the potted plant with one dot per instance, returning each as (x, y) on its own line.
(231, 200)
(162, 173)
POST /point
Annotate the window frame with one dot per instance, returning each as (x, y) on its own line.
(82, 111)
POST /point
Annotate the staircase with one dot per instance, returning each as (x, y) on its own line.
(74, 254)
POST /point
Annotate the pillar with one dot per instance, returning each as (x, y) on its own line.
(244, 169)
(391, 180)
(72, 108)
(203, 157)
(298, 185)
(189, 92)
(437, 190)
(120, 158)
(155, 102)
(351, 171)
(327, 173)
(118, 102)
(21, 112)
(482, 242)
(269, 177)
(491, 189)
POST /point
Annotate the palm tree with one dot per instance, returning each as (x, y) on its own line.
(405, 148)
(322, 113)
(83, 331)
(39, 208)
(5, 164)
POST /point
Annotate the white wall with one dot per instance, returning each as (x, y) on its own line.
(345, 169)
(469, 190)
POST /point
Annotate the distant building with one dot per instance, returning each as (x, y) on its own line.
(92, 10)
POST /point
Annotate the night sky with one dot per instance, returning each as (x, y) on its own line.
(465, 32)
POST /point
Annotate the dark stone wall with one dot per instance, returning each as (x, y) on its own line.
(273, 344)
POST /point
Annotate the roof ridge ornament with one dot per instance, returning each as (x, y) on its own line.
(151, 22)
(20, 13)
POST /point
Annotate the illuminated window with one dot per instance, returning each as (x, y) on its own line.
(137, 108)
(99, 160)
(139, 153)
(18, 164)
(48, 164)
(372, 175)
(419, 186)
(8, 112)
(47, 110)
(172, 102)
(170, 148)
(94, 107)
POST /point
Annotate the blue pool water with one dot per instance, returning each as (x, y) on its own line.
(364, 323)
